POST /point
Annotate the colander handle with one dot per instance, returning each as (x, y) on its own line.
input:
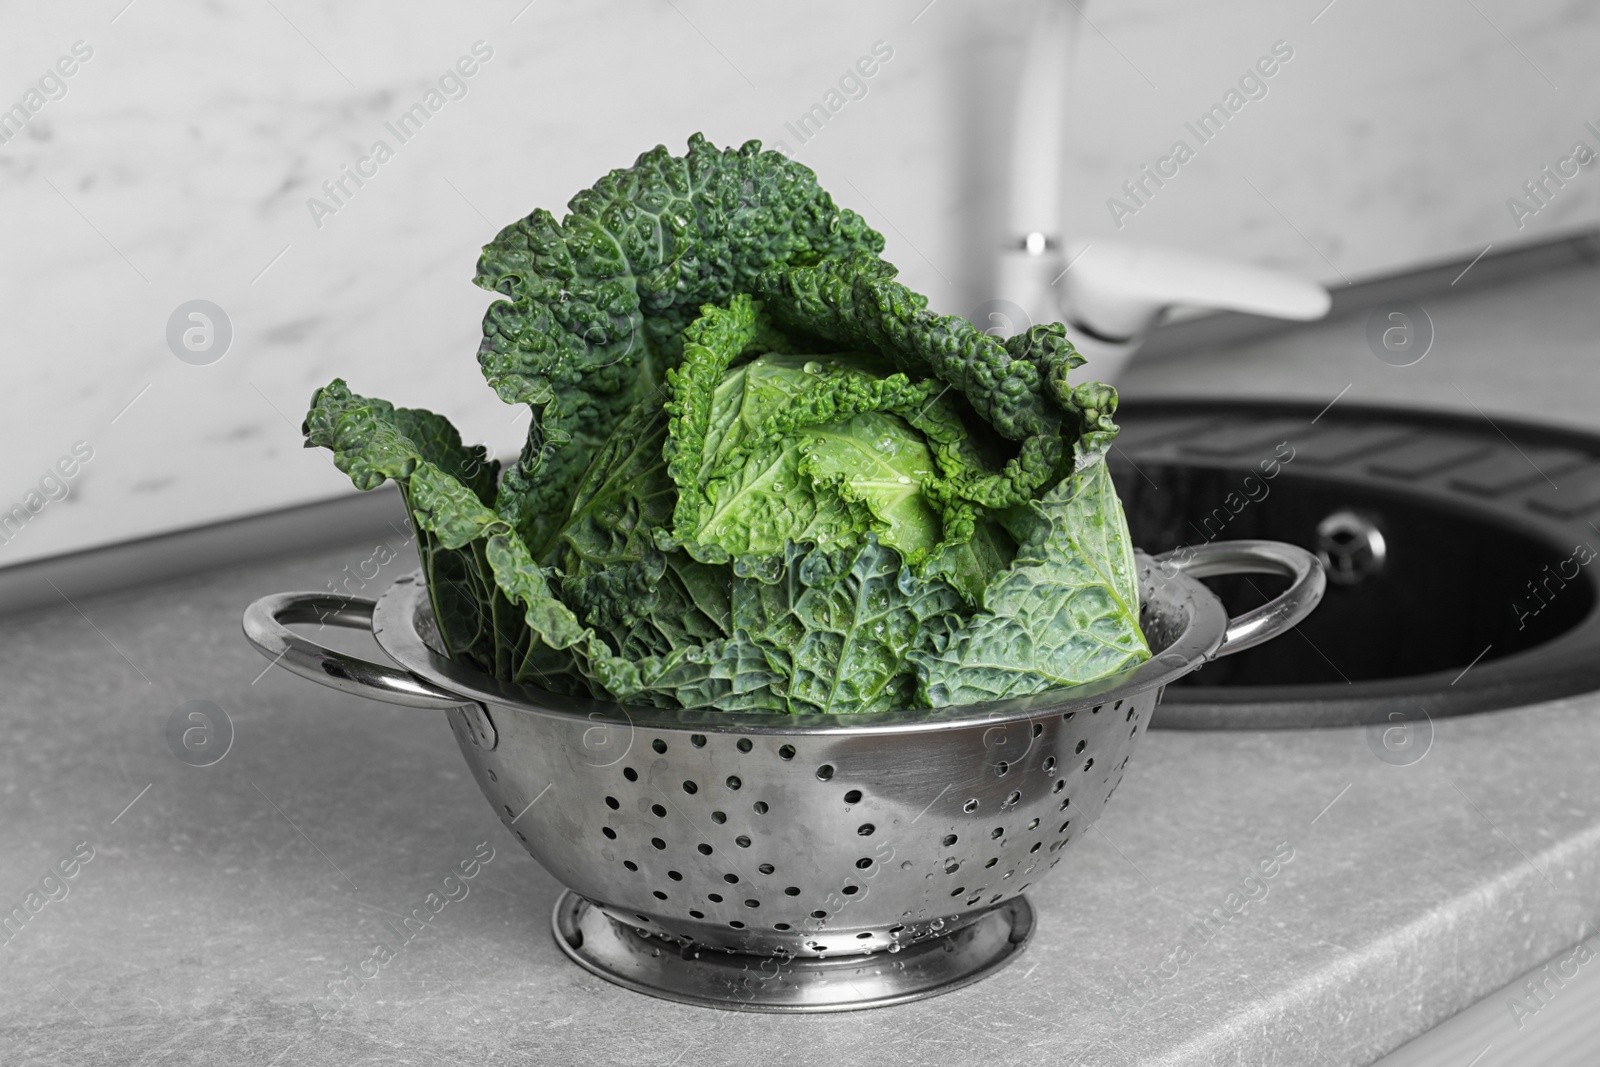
(1277, 616)
(264, 627)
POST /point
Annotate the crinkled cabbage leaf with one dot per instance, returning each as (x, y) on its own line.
(760, 475)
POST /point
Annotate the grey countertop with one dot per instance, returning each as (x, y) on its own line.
(1514, 336)
(220, 902)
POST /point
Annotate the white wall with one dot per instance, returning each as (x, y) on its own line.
(179, 162)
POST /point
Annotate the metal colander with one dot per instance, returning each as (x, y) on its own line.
(795, 862)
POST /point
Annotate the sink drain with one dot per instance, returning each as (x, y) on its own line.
(1350, 547)
(1458, 556)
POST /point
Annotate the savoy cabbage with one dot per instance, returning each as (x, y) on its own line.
(760, 475)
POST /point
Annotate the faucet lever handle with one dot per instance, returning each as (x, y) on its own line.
(1116, 291)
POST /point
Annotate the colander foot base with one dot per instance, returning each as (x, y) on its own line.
(723, 980)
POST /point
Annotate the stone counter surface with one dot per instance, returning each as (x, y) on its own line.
(222, 901)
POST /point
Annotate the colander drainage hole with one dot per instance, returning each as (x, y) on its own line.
(853, 797)
(715, 898)
(766, 868)
(737, 925)
(897, 928)
(825, 771)
(752, 903)
(851, 890)
(609, 832)
(632, 866)
(1001, 769)
(698, 741)
(1066, 716)
(1061, 783)
(696, 914)
(719, 817)
(863, 935)
(1086, 766)
(958, 890)
(1016, 795)
(992, 862)
(973, 900)
(675, 876)
(659, 895)
(998, 832)
(951, 866)
(759, 807)
(865, 829)
(509, 813)
(733, 781)
(611, 802)
(949, 839)
(705, 849)
(863, 863)
(742, 841)
(690, 788)
(630, 774)
(658, 843)
(819, 914)
(658, 811)
(659, 745)
(786, 752)
(731, 879)
(1064, 827)
(780, 926)
(791, 891)
(970, 806)
(1081, 745)
(1034, 825)
(1038, 728)
(1035, 847)
(743, 744)
(1050, 765)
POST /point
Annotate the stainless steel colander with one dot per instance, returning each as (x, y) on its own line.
(795, 863)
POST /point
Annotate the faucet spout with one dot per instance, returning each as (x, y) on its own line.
(1108, 294)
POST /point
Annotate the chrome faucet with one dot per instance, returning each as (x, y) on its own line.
(1109, 294)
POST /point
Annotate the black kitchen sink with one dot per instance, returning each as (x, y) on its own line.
(1460, 555)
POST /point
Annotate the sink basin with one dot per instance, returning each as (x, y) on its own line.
(1459, 554)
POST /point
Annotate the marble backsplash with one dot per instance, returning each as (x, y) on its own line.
(185, 154)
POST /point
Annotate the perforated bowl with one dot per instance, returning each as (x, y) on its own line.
(795, 863)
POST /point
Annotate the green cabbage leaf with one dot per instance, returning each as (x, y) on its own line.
(760, 474)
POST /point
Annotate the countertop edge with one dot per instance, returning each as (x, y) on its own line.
(1414, 955)
(145, 561)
